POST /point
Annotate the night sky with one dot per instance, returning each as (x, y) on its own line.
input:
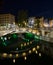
(34, 7)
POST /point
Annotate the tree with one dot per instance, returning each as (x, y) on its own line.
(37, 23)
(22, 17)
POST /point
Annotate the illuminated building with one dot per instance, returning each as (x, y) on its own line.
(51, 23)
(46, 25)
(6, 20)
(41, 22)
(31, 21)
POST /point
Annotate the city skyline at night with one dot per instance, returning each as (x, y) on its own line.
(35, 8)
(26, 32)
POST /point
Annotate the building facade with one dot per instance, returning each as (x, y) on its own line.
(51, 23)
(41, 22)
(6, 20)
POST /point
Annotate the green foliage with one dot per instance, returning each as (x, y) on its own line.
(29, 36)
(4, 44)
(26, 40)
(22, 16)
(14, 35)
(37, 22)
(36, 38)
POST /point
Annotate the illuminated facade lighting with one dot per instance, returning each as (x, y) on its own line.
(46, 25)
(38, 47)
(33, 32)
(24, 44)
(13, 60)
(30, 30)
(25, 23)
(29, 51)
(21, 45)
(34, 49)
(38, 33)
(39, 54)
(51, 23)
(25, 58)
(30, 42)
(4, 55)
(6, 20)
(24, 54)
(19, 24)
(27, 43)
(16, 55)
(5, 38)
(10, 55)
(1, 37)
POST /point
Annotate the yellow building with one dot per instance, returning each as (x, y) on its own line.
(41, 22)
(51, 23)
(6, 19)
